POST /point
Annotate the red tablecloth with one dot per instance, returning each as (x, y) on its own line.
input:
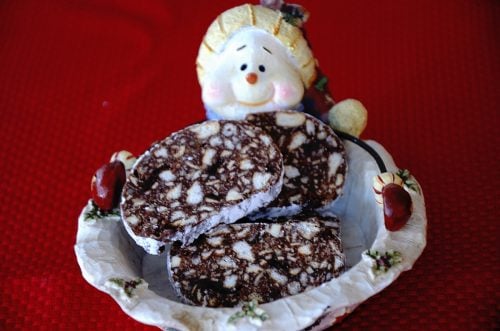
(82, 79)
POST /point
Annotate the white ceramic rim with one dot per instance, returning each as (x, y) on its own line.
(104, 252)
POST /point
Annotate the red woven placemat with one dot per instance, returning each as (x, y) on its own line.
(82, 79)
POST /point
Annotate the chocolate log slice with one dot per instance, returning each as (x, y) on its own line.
(263, 260)
(206, 174)
(313, 156)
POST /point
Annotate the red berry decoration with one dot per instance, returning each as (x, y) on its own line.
(397, 206)
(107, 184)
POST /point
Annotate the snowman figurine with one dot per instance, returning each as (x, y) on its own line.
(254, 58)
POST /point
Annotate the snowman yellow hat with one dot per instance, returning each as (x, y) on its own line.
(263, 18)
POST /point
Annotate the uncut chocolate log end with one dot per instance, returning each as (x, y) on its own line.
(258, 261)
(313, 156)
(210, 173)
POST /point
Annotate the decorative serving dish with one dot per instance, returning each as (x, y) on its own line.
(111, 262)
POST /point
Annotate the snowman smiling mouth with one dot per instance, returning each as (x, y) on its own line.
(256, 100)
(255, 104)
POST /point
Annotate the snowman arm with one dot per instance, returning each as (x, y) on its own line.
(349, 116)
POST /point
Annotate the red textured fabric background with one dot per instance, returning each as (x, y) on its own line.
(82, 79)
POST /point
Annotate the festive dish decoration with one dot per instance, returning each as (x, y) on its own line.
(196, 226)
(390, 191)
(375, 257)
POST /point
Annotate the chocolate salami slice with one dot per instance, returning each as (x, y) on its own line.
(263, 260)
(313, 156)
(206, 174)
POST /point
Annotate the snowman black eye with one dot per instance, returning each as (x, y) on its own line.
(262, 68)
(243, 67)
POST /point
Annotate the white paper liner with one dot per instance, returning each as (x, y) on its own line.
(104, 252)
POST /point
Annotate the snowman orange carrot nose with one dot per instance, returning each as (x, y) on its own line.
(251, 78)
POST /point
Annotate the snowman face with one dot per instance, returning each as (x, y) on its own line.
(253, 73)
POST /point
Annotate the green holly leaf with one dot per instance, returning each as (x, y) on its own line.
(96, 213)
(127, 286)
(408, 180)
(383, 262)
(320, 84)
(251, 310)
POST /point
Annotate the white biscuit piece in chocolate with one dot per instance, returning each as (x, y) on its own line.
(313, 157)
(263, 260)
(206, 174)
